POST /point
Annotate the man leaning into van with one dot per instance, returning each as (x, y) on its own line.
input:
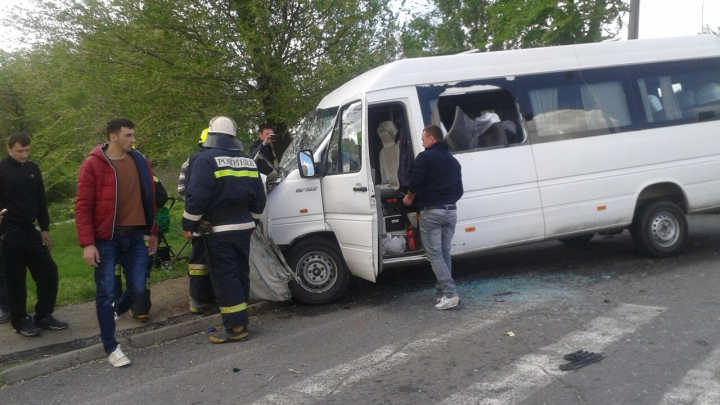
(436, 180)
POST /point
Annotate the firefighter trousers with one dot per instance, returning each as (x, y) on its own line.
(199, 272)
(230, 274)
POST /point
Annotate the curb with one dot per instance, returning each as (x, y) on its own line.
(62, 361)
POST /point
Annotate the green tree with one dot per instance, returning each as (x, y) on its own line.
(458, 25)
(171, 65)
(529, 24)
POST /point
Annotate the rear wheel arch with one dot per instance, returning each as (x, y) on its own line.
(667, 191)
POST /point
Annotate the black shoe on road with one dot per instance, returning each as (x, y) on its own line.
(28, 328)
(50, 322)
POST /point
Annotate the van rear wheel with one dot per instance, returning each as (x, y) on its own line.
(322, 276)
(659, 229)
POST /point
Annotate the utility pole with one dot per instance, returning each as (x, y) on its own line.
(634, 19)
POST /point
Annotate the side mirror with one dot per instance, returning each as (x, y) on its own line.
(306, 164)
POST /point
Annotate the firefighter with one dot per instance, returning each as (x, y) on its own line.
(224, 196)
(198, 270)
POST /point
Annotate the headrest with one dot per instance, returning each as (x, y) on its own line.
(655, 104)
(708, 93)
(387, 131)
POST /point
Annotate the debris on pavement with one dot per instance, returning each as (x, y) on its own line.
(580, 358)
(702, 342)
(510, 334)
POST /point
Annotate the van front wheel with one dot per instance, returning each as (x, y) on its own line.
(659, 229)
(322, 276)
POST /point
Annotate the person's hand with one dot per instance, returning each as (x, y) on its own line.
(269, 139)
(152, 244)
(47, 239)
(91, 255)
(407, 200)
(187, 234)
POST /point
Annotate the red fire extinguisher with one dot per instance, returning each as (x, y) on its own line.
(411, 237)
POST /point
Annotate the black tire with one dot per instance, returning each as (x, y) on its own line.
(322, 273)
(577, 240)
(659, 229)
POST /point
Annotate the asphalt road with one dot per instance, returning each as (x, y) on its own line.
(656, 323)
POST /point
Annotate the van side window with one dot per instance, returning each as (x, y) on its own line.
(669, 99)
(597, 107)
(345, 148)
(474, 117)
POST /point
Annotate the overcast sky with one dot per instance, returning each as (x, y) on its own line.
(658, 18)
(673, 18)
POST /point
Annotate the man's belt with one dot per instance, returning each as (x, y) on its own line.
(126, 230)
(449, 207)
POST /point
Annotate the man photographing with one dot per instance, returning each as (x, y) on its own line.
(264, 145)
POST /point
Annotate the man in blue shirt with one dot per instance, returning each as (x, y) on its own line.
(436, 180)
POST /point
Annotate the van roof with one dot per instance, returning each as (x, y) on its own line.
(469, 66)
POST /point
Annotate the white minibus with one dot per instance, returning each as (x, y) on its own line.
(555, 143)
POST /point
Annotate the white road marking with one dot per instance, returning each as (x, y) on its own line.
(534, 371)
(700, 386)
(336, 379)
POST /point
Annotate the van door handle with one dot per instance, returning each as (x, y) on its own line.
(360, 189)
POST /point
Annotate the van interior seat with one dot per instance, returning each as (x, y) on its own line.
(491, 131)
(511, 133)
(389, 155)
(493, 137)
(708, 93)
(463, 134)
(656, 108)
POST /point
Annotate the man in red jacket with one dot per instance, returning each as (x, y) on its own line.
(115, 207)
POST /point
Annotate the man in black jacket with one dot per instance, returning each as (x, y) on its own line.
(436, 179)
(4, 309)
(263, 144)
(22, 193)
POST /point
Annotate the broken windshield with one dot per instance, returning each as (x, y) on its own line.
(308, 133)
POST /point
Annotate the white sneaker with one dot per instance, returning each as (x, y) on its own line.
(118, 358)
(116, 316)
(447, 303)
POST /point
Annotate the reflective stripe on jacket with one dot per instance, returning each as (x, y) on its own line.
(224, 187)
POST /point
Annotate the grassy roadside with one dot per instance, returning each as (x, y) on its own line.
(77, 283)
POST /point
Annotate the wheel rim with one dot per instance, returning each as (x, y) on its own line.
(665, 229)
(317, 272)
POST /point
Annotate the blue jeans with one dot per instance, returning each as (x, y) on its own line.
(437, 228)
(131, 250)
